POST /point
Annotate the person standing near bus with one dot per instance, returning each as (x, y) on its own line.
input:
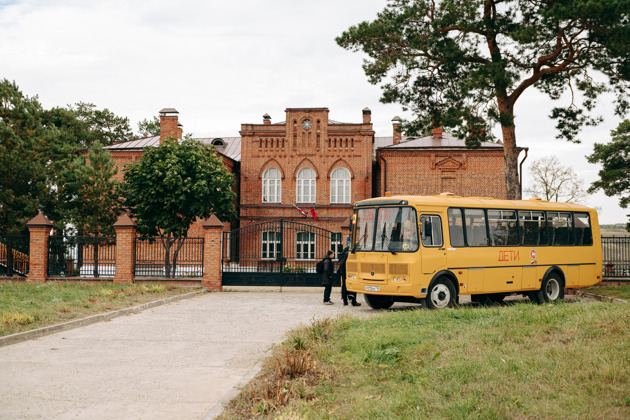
(329, 269)
(345, 295)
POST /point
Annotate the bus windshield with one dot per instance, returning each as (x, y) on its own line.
(386, 229)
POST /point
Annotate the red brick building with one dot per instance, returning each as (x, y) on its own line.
(438, 163)
(310, 161)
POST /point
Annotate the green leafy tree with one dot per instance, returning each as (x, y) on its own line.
(76, 128)
(554, 182)
(614, 177)
(172, 186)
(463, 65)
(91, 203)
(23, 143)
(149, 128)
(91, 192)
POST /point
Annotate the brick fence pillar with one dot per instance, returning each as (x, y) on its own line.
(212, 254)
(125, 249)
(39, 228)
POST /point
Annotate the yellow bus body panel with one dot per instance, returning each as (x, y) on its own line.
(478, 270)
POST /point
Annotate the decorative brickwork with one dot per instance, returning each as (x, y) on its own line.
(213, 232)
(307, 139)
(467, 173)
(125, 249)
(39, 228)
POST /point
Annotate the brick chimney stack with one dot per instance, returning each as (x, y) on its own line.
(169, 125)
(367, 115)
(266, 119)
(397, 121)
(437, 133)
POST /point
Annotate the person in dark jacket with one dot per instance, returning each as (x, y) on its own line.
(329, 269)
(345, 295)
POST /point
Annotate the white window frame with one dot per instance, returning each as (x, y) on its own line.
(268, 238)
(340, 186)
(272, 187)
(310, 246)
(305, 186)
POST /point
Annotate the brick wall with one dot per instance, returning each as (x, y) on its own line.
(478, 173)
(289, 147)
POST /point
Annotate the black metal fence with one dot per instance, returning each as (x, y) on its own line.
(164, 257)
(276, 253)
(82, 256)
(14, 255)
(616, 256)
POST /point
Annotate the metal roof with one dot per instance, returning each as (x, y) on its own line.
(448, 141)
(136, 144)
(231, 145)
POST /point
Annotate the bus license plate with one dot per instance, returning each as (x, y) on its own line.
(373, 288)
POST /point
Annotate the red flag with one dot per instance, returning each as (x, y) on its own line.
(301, 211)
(314, 214)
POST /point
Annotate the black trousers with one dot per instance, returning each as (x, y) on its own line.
(345, 295)
(327, 291)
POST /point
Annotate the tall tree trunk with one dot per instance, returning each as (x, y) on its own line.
(510, 157)
(510, 152)
(167, 256)
(95, 270)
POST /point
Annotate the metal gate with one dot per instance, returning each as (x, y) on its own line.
(277, 253)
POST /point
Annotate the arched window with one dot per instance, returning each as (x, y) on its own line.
(271, 186)
(218, 142)
(305, 188)
(340, 186)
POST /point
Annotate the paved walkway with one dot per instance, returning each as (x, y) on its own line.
(177, 361)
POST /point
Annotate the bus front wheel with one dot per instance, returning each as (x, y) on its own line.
(379, 301)
(552, 289)
(441, 295)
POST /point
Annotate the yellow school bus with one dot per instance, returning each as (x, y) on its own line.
(433, 249)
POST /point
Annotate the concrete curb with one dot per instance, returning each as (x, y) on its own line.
(234, 392)
(51, 329)
(599, 297)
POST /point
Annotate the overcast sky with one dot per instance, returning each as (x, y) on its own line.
(221, 64)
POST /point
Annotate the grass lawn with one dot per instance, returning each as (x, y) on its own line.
(569, 360)
(26, 306)
(621, 291)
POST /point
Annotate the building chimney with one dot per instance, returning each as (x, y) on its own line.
(266, 119)
(169, 124)
(397, 121)
(437, 132)
(367, 115)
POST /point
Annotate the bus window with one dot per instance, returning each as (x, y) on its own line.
(560, 228)
(431, 230)
(456, 227)
(583, 233)
(364, 235)
(503, 227)
(533, 232)
(396, 229)
(476, 233)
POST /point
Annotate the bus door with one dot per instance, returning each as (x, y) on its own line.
(433, 253)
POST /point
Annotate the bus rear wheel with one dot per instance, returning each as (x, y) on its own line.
(441, 295)
(552, 289)
(379, 301)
